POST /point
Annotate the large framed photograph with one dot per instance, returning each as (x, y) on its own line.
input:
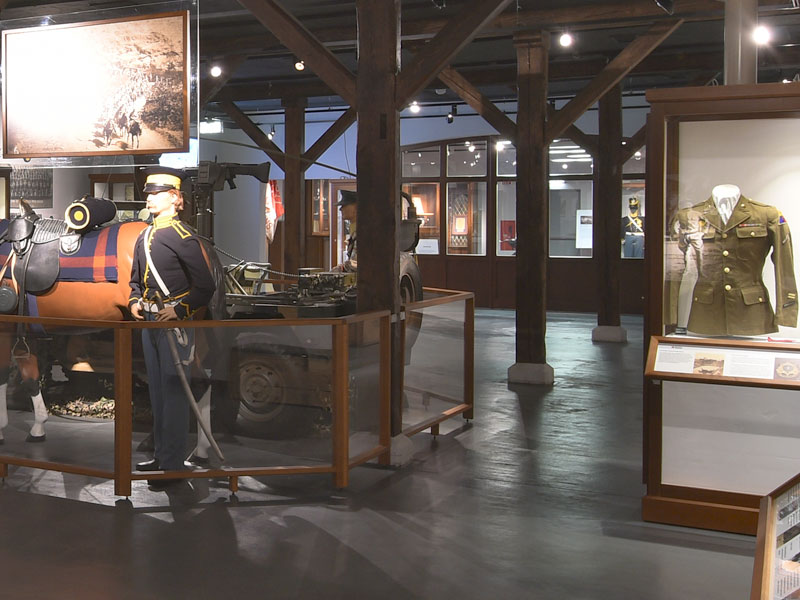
(113, 87)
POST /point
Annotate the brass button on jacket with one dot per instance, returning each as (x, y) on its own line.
(729, 298)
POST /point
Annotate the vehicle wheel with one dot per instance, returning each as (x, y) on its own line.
(263, 383)
(410, 291)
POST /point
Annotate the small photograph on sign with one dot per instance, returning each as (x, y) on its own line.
(708, 364)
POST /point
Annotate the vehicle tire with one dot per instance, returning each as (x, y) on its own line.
(410, 291)
(264, 383)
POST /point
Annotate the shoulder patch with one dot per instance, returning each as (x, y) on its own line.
(181, 229)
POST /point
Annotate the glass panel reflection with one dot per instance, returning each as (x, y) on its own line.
(364, 386)
(59, 396)
(466, 218)
(422, 162)
(266, 392)
(467, 159)
(434, 371)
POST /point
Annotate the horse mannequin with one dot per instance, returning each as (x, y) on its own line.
(103, 300)
(98, 300)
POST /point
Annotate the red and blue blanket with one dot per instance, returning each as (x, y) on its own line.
(96, 260)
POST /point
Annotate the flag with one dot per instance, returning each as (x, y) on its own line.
(274, 209)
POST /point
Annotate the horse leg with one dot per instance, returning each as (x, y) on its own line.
(29, 372)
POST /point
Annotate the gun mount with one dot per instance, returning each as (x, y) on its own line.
(211, 177)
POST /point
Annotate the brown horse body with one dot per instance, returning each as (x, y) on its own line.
(69, 300)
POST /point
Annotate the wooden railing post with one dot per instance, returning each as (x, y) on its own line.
(385, 394)
(341, 404)
(469, 356)
(123, 410)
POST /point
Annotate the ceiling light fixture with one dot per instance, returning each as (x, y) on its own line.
(271, 133)
(453, 112)
(761, 35)
(215, 71)
(300, 65)
(414, 108)
(566, 39)
(667, 5)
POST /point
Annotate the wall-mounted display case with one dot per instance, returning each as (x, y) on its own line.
(721, 419)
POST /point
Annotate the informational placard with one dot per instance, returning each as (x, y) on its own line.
(716, 361)
(786, 545)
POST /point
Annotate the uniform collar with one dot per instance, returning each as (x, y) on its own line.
(163, 221)
(740, 214)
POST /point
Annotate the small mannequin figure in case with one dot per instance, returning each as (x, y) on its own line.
(632, 231)
(726, 241)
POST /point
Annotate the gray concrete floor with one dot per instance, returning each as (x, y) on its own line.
(538, 498)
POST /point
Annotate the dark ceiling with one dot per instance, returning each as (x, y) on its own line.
(693, 55)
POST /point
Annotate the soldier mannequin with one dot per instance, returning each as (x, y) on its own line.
(185, 286)
(348, 205)
(632, 231)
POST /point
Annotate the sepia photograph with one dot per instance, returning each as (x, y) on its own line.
(105, 87)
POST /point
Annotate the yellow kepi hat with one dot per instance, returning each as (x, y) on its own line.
(160, 179)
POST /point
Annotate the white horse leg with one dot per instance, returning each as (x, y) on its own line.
(37, 433)
(204, 404)
(3, 410)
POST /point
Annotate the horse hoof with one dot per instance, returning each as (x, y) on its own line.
(35, 439)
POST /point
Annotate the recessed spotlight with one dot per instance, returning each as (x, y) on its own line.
(565, 40)
(215, 71)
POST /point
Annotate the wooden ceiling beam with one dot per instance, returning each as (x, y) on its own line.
(333, 133)
(480, 103)
(444, 47)
(209, 86)
(614, 72)
(254, 133)
(622, 13)
(293, 34)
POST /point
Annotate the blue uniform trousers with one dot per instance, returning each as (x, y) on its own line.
(167, 398)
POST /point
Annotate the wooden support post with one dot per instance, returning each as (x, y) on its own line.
(607, 215)
(123, 411)
(341, 406)
(3, 470)
(378, 159)
(294, 233)
(533, 197)
(233, 484)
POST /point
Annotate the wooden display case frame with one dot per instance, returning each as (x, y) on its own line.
(779, 513)
(678, 505)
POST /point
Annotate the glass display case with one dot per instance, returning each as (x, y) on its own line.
(466, 218)
(425, 200)
(776, 568)
(723, 367)
(320, 207)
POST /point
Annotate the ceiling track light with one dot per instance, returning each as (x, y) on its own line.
(271, 133)
(565, 39)
(215, 71)
(300, 65)
(667, 5)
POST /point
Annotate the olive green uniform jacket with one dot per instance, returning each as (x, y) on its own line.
(730, 297)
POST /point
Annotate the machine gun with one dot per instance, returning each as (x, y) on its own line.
(215, 174)
(211, 177)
